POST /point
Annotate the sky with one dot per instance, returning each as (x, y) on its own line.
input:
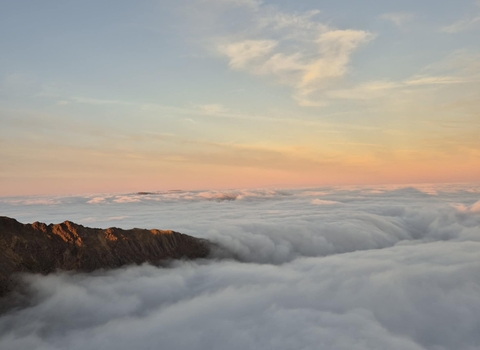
(346, 268)
(102, 96)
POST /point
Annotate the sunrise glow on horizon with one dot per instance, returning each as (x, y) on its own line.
(115, 96)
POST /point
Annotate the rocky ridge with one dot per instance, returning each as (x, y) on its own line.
(41, 248)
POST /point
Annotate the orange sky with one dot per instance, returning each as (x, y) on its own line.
(236, 94)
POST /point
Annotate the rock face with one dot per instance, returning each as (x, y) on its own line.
(41, 248)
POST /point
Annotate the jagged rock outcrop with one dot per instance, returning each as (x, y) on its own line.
(41, 248)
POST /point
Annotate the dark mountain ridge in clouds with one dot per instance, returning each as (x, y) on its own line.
(41, 248)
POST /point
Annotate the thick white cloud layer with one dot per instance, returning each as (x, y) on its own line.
(345, 268)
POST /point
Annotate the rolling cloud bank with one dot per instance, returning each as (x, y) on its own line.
(325, 268)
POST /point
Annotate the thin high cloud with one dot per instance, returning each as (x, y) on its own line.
(313, 58)
(467, 23)
(457, 69)
(381, 88)
(391, 267)
(398, 18)
(295, 49)
(462, 25)
(253, 4)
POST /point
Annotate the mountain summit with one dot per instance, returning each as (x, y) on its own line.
(41, 248)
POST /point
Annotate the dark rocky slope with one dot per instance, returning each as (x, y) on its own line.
(41, 248)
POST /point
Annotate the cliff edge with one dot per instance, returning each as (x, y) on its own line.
(41, 248)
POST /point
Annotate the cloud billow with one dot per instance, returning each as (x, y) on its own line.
(386, 268)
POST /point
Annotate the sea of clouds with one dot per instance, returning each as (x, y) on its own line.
(386, 267)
